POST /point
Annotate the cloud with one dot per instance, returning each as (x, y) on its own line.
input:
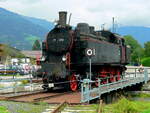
(94, 12)
(3, 0)
(21, 1)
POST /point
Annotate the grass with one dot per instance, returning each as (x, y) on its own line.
(142, 95)
(126, 106)
(122, 106)
(9, 51)
(18, 107)
(3, 110)
(87, 107)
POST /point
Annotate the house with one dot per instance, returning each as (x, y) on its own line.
(32, 54)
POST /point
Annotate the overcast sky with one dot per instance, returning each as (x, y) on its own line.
(94, 12)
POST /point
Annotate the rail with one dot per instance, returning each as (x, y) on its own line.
(132, 77)
(60, 107)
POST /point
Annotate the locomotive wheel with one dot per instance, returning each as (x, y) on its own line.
(73, 82)
(112, 79)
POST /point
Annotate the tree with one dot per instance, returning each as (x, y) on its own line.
(147, 49)
(36, 45)
(137, 52)
(146, 61)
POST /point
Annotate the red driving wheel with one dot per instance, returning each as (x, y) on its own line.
(73, 82)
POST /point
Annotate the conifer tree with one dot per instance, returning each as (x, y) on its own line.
(36, 45)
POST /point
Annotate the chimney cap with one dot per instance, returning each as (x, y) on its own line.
(62, 11)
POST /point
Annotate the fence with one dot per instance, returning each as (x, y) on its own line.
(132, 77)
(18, 84)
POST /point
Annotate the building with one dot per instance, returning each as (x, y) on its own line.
(32, 54)
(9, 54)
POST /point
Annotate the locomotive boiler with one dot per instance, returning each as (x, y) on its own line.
(66, 52)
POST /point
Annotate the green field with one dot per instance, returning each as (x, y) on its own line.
(122, 106)
(3, 110)
(141, 95)
(126, 106)
(18, 107)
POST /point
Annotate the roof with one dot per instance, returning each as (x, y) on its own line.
(32, 54)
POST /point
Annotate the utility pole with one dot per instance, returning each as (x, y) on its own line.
(103, 27)
(90, 67)
(113, 24)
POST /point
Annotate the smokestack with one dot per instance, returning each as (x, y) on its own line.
(62, 18)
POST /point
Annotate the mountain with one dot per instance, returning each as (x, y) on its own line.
(141, 34)
(19, 31)
(43, 23)
(9, 51)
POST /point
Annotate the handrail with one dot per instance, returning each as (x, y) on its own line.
(130, 78)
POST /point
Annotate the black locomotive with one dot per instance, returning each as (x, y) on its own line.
(66, 53)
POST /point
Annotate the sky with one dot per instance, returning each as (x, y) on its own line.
(93, 12)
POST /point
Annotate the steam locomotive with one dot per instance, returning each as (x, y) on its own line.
(66, 53)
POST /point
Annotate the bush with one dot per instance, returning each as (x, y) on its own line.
(146, 61)
(126, 106)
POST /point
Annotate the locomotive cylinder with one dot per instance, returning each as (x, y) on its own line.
(62, 18)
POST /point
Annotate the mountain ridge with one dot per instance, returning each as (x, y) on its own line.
(140, 33)
(20, 29)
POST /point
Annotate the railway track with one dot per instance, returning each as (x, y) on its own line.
(67, 108)
(55, 97)
(52, 95)
(19, 93)
(12, 95)
(63, 102)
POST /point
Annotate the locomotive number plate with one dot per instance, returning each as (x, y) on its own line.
(51, 85)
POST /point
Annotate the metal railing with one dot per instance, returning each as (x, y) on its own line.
(15, 85)
(131, 77)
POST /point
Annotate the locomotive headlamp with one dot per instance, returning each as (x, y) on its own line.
(43, 58)
(64, 58)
